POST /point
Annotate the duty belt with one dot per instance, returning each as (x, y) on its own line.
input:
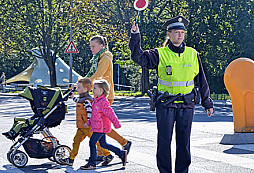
(179, 98)
(176, 83)
(165, 98)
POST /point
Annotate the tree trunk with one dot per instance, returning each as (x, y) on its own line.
(53, 77)
(52, 71)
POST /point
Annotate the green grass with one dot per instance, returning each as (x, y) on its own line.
(220, 96)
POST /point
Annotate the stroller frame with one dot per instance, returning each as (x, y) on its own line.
(19, 158)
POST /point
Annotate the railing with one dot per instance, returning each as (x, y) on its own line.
(119, 87)
(15, 87)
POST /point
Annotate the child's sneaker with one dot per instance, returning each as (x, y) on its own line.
(67, 161)
(107, 160)
(100, 158)
(124, 158)
(88, 167)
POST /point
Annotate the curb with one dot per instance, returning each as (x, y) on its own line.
(237, 139)
(222, 103)
(9, 94)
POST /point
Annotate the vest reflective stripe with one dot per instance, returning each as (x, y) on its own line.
(176, 73)
(180, 83)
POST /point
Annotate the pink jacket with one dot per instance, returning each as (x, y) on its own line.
(102, 116)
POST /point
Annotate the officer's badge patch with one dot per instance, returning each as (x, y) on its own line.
(169, 70)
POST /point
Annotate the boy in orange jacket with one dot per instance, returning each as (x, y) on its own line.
(83, 113)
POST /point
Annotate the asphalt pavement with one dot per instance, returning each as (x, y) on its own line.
(138, 126)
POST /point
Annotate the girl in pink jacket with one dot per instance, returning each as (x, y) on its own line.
(100, 121)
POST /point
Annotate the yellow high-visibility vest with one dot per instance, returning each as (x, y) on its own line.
(176, 73)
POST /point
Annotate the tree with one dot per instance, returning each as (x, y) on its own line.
(221, 31)
(39, 24)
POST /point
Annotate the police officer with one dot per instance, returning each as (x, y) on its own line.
(179, 71)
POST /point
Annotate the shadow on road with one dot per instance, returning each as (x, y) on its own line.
(140, 111)
(49, 167)
(136, 111)
(45, 167)
(131, 110)
(221, 114)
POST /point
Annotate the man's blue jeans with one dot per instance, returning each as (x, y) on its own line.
(101, 137)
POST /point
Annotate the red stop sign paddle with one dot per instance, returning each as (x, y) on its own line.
(140, 4)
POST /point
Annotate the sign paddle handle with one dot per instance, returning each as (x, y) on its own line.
(137, 18)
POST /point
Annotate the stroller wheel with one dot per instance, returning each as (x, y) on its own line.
(61, 152)
(19, 159)
(9, 154)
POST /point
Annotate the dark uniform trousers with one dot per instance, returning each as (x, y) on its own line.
(166, 118)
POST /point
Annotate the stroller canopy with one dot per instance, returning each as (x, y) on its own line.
(42, 100)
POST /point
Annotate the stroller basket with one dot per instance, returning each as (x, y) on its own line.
(37, 148)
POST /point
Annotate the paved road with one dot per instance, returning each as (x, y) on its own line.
(139, 126)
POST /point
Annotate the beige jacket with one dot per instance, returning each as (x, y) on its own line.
(105, 71)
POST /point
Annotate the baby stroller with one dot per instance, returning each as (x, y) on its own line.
(49, 110)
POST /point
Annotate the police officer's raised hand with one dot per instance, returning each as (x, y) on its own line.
(135, 28)
(209, 111)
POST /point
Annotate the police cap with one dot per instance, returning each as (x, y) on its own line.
(178, 22)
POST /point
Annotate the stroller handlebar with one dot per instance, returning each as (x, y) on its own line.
(68, 93)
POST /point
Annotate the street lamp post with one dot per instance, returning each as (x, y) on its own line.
(70, 63)
(118, 72)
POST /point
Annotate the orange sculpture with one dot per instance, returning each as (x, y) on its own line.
(239, 81)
